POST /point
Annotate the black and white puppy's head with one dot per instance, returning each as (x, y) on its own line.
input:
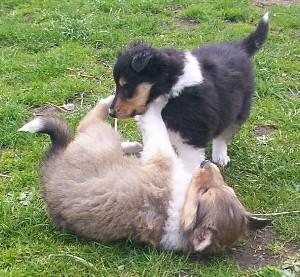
(141, 73)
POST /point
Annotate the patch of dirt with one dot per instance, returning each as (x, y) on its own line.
(79, 73)
(294, 93)
(262, 3)
(255, 253)
(175, 7)
(45, 110)
(106, 63)
(187, 21)
(51, 109)
(261, 131)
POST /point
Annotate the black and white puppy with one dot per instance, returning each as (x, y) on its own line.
(210, 91)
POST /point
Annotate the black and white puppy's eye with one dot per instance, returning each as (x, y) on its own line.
(125, 86)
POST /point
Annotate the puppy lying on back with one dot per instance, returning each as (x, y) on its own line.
(93, 190)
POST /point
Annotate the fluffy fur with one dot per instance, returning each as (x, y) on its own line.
(93, 190)
(209, 89)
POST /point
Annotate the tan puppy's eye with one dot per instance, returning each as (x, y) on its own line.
(204, 190)
(122, 82)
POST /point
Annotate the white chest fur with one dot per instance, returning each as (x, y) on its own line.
(191, 75)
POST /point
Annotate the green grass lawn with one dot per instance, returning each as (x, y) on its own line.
(54, 52)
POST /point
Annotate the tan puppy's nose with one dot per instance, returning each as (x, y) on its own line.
(205, 164)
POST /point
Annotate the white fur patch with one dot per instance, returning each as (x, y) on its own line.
(33, 126)
(219, 151)
(191, 75)
(190, 156)
(172, 238)
(156, 140)
(266, 17)
(155, 136)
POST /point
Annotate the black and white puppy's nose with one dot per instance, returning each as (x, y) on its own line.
(204, 163)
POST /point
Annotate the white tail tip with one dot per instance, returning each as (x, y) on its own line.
(33, 126)
(266, 17)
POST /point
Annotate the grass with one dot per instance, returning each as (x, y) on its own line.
(55, 51)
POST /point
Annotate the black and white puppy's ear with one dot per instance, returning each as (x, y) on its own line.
(141, 60)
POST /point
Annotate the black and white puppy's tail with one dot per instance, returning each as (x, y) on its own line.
(255, 40)
(57, 129)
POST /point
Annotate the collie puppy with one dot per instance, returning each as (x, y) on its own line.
(95, 191)
(209, 89)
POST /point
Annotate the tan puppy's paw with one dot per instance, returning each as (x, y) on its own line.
(131, 147)
(107, 101)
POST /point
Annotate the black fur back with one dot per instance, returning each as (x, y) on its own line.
(201, 112)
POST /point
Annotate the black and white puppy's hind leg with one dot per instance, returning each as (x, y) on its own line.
(220, 144)
(190, 156)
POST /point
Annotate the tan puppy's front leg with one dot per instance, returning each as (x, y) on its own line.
(97, 114)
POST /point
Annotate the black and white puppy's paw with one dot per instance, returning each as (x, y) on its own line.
(221, 158)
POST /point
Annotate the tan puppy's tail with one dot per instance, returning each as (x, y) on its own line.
(57, 129)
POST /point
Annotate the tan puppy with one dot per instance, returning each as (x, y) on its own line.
(93, 190)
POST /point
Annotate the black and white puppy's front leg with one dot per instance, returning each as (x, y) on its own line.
(155, 136)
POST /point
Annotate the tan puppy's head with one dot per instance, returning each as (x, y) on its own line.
(212, 217)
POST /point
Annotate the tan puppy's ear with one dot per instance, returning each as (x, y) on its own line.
(203, 238)
(191, 213)
(255, 223)
(190, 209)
